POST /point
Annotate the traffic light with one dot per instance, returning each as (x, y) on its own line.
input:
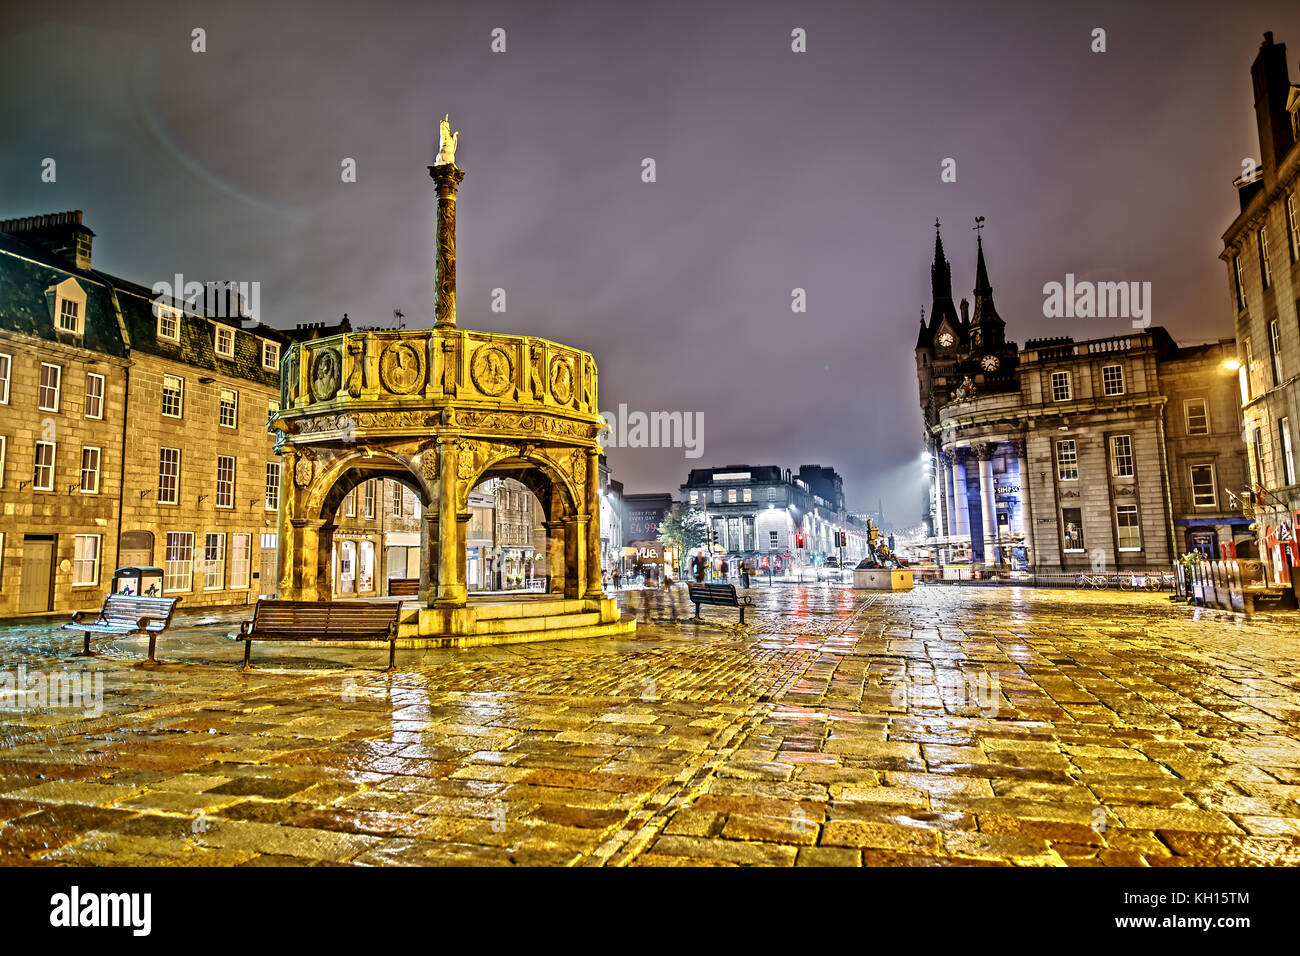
(798, 539)
(714, 538)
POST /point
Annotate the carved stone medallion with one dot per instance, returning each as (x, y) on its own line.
(302, 471)
(492, 370)
(326, 374)
(401, 368)
(562, 380)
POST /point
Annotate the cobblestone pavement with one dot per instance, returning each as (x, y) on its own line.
(982, 726)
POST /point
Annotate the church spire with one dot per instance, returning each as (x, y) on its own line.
(941, 286)
(987, 328)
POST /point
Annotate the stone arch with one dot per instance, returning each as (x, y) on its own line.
(556, 479)
(328, 489)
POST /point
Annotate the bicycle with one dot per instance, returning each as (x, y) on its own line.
(1099, 581)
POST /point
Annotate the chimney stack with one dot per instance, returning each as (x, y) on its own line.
(60, 233)
(1270, 79)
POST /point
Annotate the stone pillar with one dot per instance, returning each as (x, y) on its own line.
(555, 556)
(945, 479)
(287, 572)
(451, 559)
(985, 452)
(429, 557)
(448, 177)
(592, 543)
(324, 563)
(462, 545)
(575, 555)
(961, 508)
(1026, 512)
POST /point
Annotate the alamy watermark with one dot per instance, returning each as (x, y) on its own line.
(215, 300)
(634, 429)
(1098, 300)
(81, 689)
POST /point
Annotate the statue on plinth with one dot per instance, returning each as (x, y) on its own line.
(447, 141)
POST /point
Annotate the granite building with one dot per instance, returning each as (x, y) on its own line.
(1261, 249)
(132, 431)
(1112, 452)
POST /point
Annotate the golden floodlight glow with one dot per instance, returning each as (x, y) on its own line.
(1231, 364)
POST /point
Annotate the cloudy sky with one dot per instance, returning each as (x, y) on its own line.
(775, 170)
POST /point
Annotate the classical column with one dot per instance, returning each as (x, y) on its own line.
(447, 175)
(287, 572)
(592, 506)
(961, 508)
(985, 452)
(555, 555)
(429, 557)
(451, 559)
(1026, 512)
(575, 555)
(945, 477)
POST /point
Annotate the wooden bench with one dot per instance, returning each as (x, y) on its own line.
(322, 621)
(124, 614)
(403, 587)
(718, 595)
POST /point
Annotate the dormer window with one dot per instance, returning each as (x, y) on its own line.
(271, 355)
(169, 322)
(225, 342)
(68, 304)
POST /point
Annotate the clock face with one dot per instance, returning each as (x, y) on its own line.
(990, 362)
(945, 339)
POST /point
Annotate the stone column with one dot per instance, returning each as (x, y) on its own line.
(451, 559)
(429, 557)
(945, 478)
(1026, 512)
(555, 555)
(592, 544)
(288, 577)
(448, 177)
(961, 509)
(985, 452)
(575, 555)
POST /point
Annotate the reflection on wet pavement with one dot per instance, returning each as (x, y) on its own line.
(946, 726)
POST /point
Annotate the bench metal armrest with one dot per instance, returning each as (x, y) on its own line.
(79, 617)
(245, 627)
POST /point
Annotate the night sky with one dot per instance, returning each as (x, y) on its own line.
(775, 170)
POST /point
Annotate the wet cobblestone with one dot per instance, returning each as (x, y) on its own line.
(946, 726)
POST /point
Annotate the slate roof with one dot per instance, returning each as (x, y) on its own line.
(27, 270)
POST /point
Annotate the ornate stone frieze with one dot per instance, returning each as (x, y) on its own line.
(401, 368)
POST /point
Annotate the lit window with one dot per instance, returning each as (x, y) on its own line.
(1197, 415)
(90, 459)
(771, 494)
(6, 366)
(214, 562)
(225, 481)
(4, 444)
(1072, 528)
(772, 540)
(169, 475)
(271, 355)
(51, 384)
(370, 499)
(1067, 460)
(169, 322)
(173, 395)
(731, 496)
(43, 472)
(749, 494)
(350, 504)
(1250, 367)
(1204, 492)
(272, 486)
(94, 395)
(1293, 220)
(85, 560)
(695, 497)
(241, 551)
(1265, 266)
(225, 342)
(1275, 352)
(1121, 447)
(1061, 391)
(178, 567)
(1130, 535)
(1112, 379)
(1288, 460)
(228, 413)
